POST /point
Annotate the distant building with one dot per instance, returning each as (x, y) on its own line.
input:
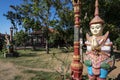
(37, 37)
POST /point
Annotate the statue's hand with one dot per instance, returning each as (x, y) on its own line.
(94, 43)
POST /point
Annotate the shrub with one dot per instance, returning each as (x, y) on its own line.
(117, 43)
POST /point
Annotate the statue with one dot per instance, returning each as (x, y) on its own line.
(98, 58)
(7, 40)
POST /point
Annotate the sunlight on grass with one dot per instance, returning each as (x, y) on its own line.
(40, 75)
(39, 59)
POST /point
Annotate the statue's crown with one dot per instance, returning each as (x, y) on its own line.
(96, 19)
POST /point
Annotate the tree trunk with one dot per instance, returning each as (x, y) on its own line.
(33, 45)
(24, 46)
(47, 47)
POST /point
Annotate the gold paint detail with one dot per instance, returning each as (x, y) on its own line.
(76, 9)
(77, 15)
(77, 65)
(76, 57)
(76, 2)
(76, 42)
(77, 26)
(76, 46)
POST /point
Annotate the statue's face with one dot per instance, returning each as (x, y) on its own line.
(96, 29)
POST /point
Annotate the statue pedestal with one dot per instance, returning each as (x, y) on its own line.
(11, 54)
(8, 55)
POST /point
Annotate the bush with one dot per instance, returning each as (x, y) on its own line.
(117, 43)
(67, 49)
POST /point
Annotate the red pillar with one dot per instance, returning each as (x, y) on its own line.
(76, 65)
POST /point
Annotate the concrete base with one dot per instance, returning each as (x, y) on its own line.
(8, 55)
(11, 55)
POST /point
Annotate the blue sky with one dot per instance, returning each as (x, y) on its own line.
(4, 7)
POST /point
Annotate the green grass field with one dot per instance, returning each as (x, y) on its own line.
(43, 66)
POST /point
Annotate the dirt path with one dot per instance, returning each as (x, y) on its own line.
(115, 73)
(8, 71)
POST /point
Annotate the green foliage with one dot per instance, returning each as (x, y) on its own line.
(14, 17)
(117, 43)
(65, 22)
(20, 38)
(4, 50)
(113, 31)
(1, 43)
(3, 47)
(67, 49)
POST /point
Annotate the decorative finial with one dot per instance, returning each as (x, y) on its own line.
(75, 1)
(96, 8)
(96, 19)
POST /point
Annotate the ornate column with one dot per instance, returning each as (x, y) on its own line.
(11, 34)
(76, 65)
(11, 39)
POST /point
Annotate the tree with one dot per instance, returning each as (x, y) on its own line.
(64, 23)
(41, 11)
(1, 42)
(21, 38)
(117, 43)
(14, 17)
(35, 14)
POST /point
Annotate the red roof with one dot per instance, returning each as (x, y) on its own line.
(37, 32)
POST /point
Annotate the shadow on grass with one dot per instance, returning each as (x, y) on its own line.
(29, 55)
(40, 75)
(118, 77)
(84, 77)
(39, 49)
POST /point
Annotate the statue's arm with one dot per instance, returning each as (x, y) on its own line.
(107, 43)
(107, 46)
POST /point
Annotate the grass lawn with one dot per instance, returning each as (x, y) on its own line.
(42, 66)
(39, 59)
